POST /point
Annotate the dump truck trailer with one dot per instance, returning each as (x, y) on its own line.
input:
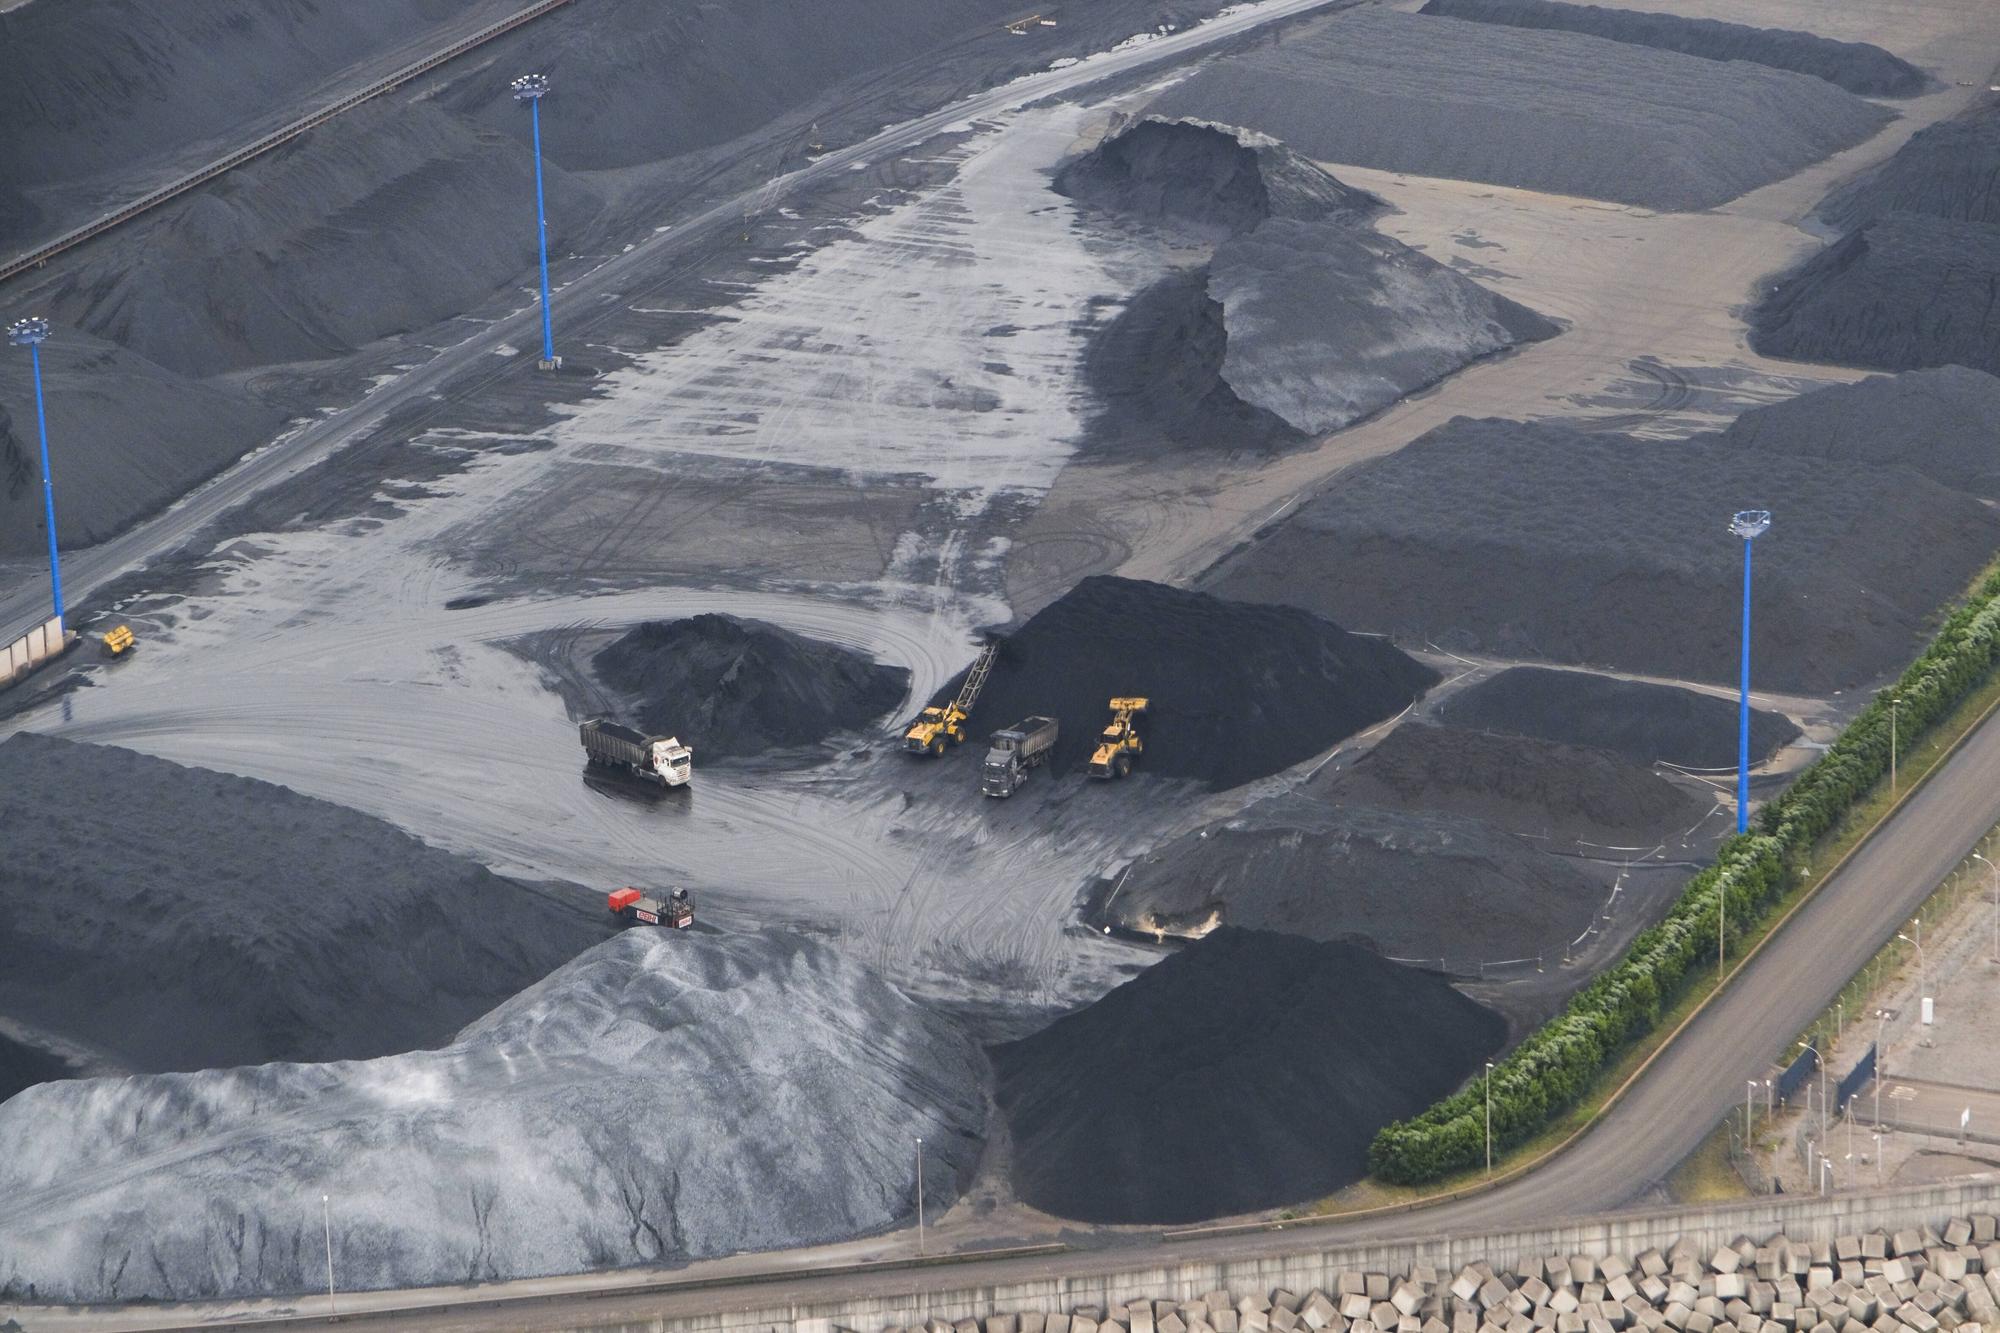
(1015, 752)
(661, 759)
(634, 908)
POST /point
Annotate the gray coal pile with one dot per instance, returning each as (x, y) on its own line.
(1482, 516)
(735, 688)
(1238, 691)
(1250, 1069)
(126, 439)
(1561, 794)
(1645, 722)
(1211, 179)
(1947, 170)
(1939, 422)
(1903, 292)
(1551, 111)
(666, 1096)
(1858, 67)
(275, 927)
(1404, 883)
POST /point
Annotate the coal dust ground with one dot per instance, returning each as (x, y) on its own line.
(670, 1095)
(1248, 1070)
(1645, 722)
(733, 688)
(1237, 691)
(1859, 67)
(1551, 111)
(1476, 510)
(272, 927)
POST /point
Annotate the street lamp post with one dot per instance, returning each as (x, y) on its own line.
(1923, 972)
(1749, 524)
(1881, 1017)
(1994, 875)
(1895, 701)
(532, 88)
(920, 1196)
(1749, 1096)
(1489, 1117)
(326, 1220)
(29, 333)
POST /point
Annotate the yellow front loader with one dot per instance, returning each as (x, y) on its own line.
(938, 724)
(1120, 746)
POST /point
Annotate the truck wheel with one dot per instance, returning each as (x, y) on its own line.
(1123, 766)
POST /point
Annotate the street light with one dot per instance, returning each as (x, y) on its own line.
(1489, 1117)
(29, 333)
(1894, 701)
(1749, 1099)
(1825, 1172)
(532, 88)
(326, 1220)
(1996, 905)
(1923, 973)
(1749, 524)
(920, 1197)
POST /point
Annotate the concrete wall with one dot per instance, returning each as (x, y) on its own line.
(1167, 1278)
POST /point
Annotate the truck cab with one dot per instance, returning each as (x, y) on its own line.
(673, 761)
(1014, 753)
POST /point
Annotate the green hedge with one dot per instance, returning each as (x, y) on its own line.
(1553, 1069)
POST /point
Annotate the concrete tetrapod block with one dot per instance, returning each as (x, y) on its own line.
(1173, 1323)
(1731, 1286)
(1406, 1298)
(1034, 1321)
(1057, 1323)
(1376, 1285)
(1226, 1321)
(1563, 1301)
(1384, 1314)
(1001, 1323)
(1725, 1260)
(1985, 1228)
(1465, 1286)
(1285, 1300)
(1283, 1320)
(1354, 1305)
(1906, 1242)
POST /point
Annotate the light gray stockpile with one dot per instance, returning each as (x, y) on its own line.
(1536, 541)
(1856, 66)
(665, 1096)
(1916, 1281)
(1552, 111)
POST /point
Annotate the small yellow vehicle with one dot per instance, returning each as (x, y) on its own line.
(1120, 746)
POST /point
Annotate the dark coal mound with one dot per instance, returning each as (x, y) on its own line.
(1249, 1070)
(1409, 884)
(207, 920)
(1208, 178)
(1903, 292)
(126, 438)
(1855, 66)
(1646, 723)
(1939, 422)
(1329, 323)
(24, 1066)
(734, 688)
(1563, 793)
(1536, 541)
(1238, 691)
(1947, 170)
(1552, 111)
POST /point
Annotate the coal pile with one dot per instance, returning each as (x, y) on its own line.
(1550, 111)
(1404, 883)
(1210, 179)
(273, 927)
(1238, 691)
(669, 1095)
(1329, 323)
(1856, 66)
(1947, 170)
(1561, 793)
(1903, 292)
(1482, 518)
(1249, 1070)
(734, 688)
(126, 439)
(1939, 422)
(1645, 722)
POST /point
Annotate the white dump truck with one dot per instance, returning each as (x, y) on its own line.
(1014, 752)
(661, 759)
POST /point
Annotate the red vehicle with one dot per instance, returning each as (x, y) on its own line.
(634, 908)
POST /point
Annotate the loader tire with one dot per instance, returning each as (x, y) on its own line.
(937, 747)
(1122, 767)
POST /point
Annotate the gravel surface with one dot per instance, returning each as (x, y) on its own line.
(1406, 883)
(1550, 111)
(1938, 422)
(1903, 292)
(666, 1096)
(1856, 66)
(1537, 541)
(1947, 170)
(1249, 1070)
(1237, 691)
(734, 688)
(206, 920)
(1644, 722)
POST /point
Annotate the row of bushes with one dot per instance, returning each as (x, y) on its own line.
(1553, 1069)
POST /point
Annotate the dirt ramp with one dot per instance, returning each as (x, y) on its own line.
(1211, 179)
(1856, 66)
(736, 688)
(205, 920)
(1939, 422)
(1948, 170)
(1246, 1071)
(1645, 722)
(1238, 691)
(1535, 541)
(1552, 111)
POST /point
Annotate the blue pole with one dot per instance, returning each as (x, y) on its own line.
(48, 485)
(542, 232)
(1743, 711)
